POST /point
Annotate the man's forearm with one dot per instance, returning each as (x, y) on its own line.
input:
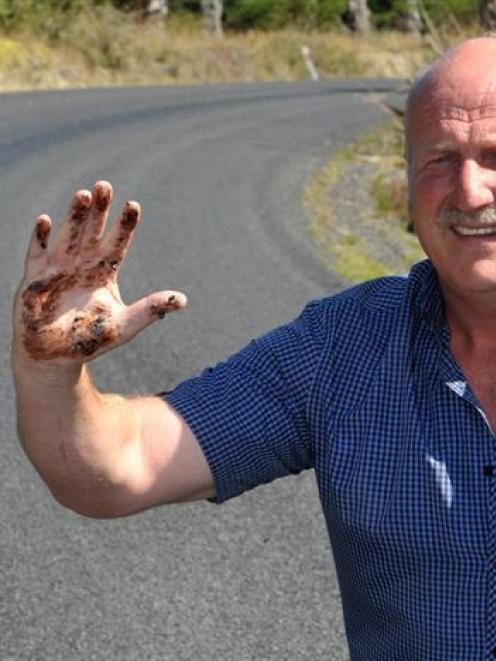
(101, 455)
(76, 437)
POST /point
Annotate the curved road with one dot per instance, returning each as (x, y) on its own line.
(219, 171)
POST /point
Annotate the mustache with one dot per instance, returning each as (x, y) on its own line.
(477, 217)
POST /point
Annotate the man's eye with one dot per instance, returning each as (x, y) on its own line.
(444, 158)
(441, 162)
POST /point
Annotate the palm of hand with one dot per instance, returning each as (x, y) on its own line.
(69, 307)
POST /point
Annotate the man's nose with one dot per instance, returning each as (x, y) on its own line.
(475, 186)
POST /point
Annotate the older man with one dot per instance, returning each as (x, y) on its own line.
(387, 390)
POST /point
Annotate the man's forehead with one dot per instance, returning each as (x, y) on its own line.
(468, 109)
(459, 89)
(444, 107)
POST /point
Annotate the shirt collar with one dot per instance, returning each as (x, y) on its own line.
(428, 295)
(430, 304)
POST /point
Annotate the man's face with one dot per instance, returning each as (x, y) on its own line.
(452, 138)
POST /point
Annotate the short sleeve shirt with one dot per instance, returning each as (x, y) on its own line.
(363, 389)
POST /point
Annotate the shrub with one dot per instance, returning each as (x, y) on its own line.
(269, 14)
(47, 16)
(391, 14)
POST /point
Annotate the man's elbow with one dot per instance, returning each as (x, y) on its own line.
(109, 505)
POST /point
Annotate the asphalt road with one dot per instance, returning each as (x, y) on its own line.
(219, 172)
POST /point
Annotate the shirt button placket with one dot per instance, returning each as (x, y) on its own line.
(490, 475)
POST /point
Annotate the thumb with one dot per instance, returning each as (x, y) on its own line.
(142, 313)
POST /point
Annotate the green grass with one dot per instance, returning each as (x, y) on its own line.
(343, 248)
(354, 262)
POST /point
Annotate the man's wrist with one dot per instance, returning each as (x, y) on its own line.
(29, 373)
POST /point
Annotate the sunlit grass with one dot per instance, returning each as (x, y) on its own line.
(389, 246)
(105, 46)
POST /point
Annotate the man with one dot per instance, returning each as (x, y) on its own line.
(388, 390)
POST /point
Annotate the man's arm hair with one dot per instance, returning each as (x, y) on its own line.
(106, 455)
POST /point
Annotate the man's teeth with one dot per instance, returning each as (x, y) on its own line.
(475, 231)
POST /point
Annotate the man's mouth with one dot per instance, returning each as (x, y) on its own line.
(474, 231)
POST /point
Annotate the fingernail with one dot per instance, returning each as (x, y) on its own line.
(42, 232)
(130, 217)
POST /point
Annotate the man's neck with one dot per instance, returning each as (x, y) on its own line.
(471, 317)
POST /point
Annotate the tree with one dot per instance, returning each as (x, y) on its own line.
(413, 16)
(157, 7)
(359, 15)
(212, 16)
(487, 14)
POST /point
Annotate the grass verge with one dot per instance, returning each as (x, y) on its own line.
(358, 210)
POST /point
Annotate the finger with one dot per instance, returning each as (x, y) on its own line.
(68, 238)
(37, 254)
(144, 312)
(95, 225)
(119, 238)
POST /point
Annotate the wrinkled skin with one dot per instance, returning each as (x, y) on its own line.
(451, 135)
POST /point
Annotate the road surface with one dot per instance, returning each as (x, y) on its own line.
(219, 172)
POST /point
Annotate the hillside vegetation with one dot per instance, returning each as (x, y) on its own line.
(101, 51)
(74, 43)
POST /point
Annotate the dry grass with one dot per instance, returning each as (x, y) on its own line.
(361, 229)
(109, 47)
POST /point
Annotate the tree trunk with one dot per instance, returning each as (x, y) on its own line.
(487, 14)
(153, 7)
(359, 15)
(413, 17)
(212, 16)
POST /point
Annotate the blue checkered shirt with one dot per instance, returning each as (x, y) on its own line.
(362, 387)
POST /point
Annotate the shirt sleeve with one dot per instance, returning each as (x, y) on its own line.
(249, 413)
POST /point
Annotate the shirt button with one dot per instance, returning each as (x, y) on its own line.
(489, 472)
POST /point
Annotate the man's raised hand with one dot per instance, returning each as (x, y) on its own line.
(68, 307)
